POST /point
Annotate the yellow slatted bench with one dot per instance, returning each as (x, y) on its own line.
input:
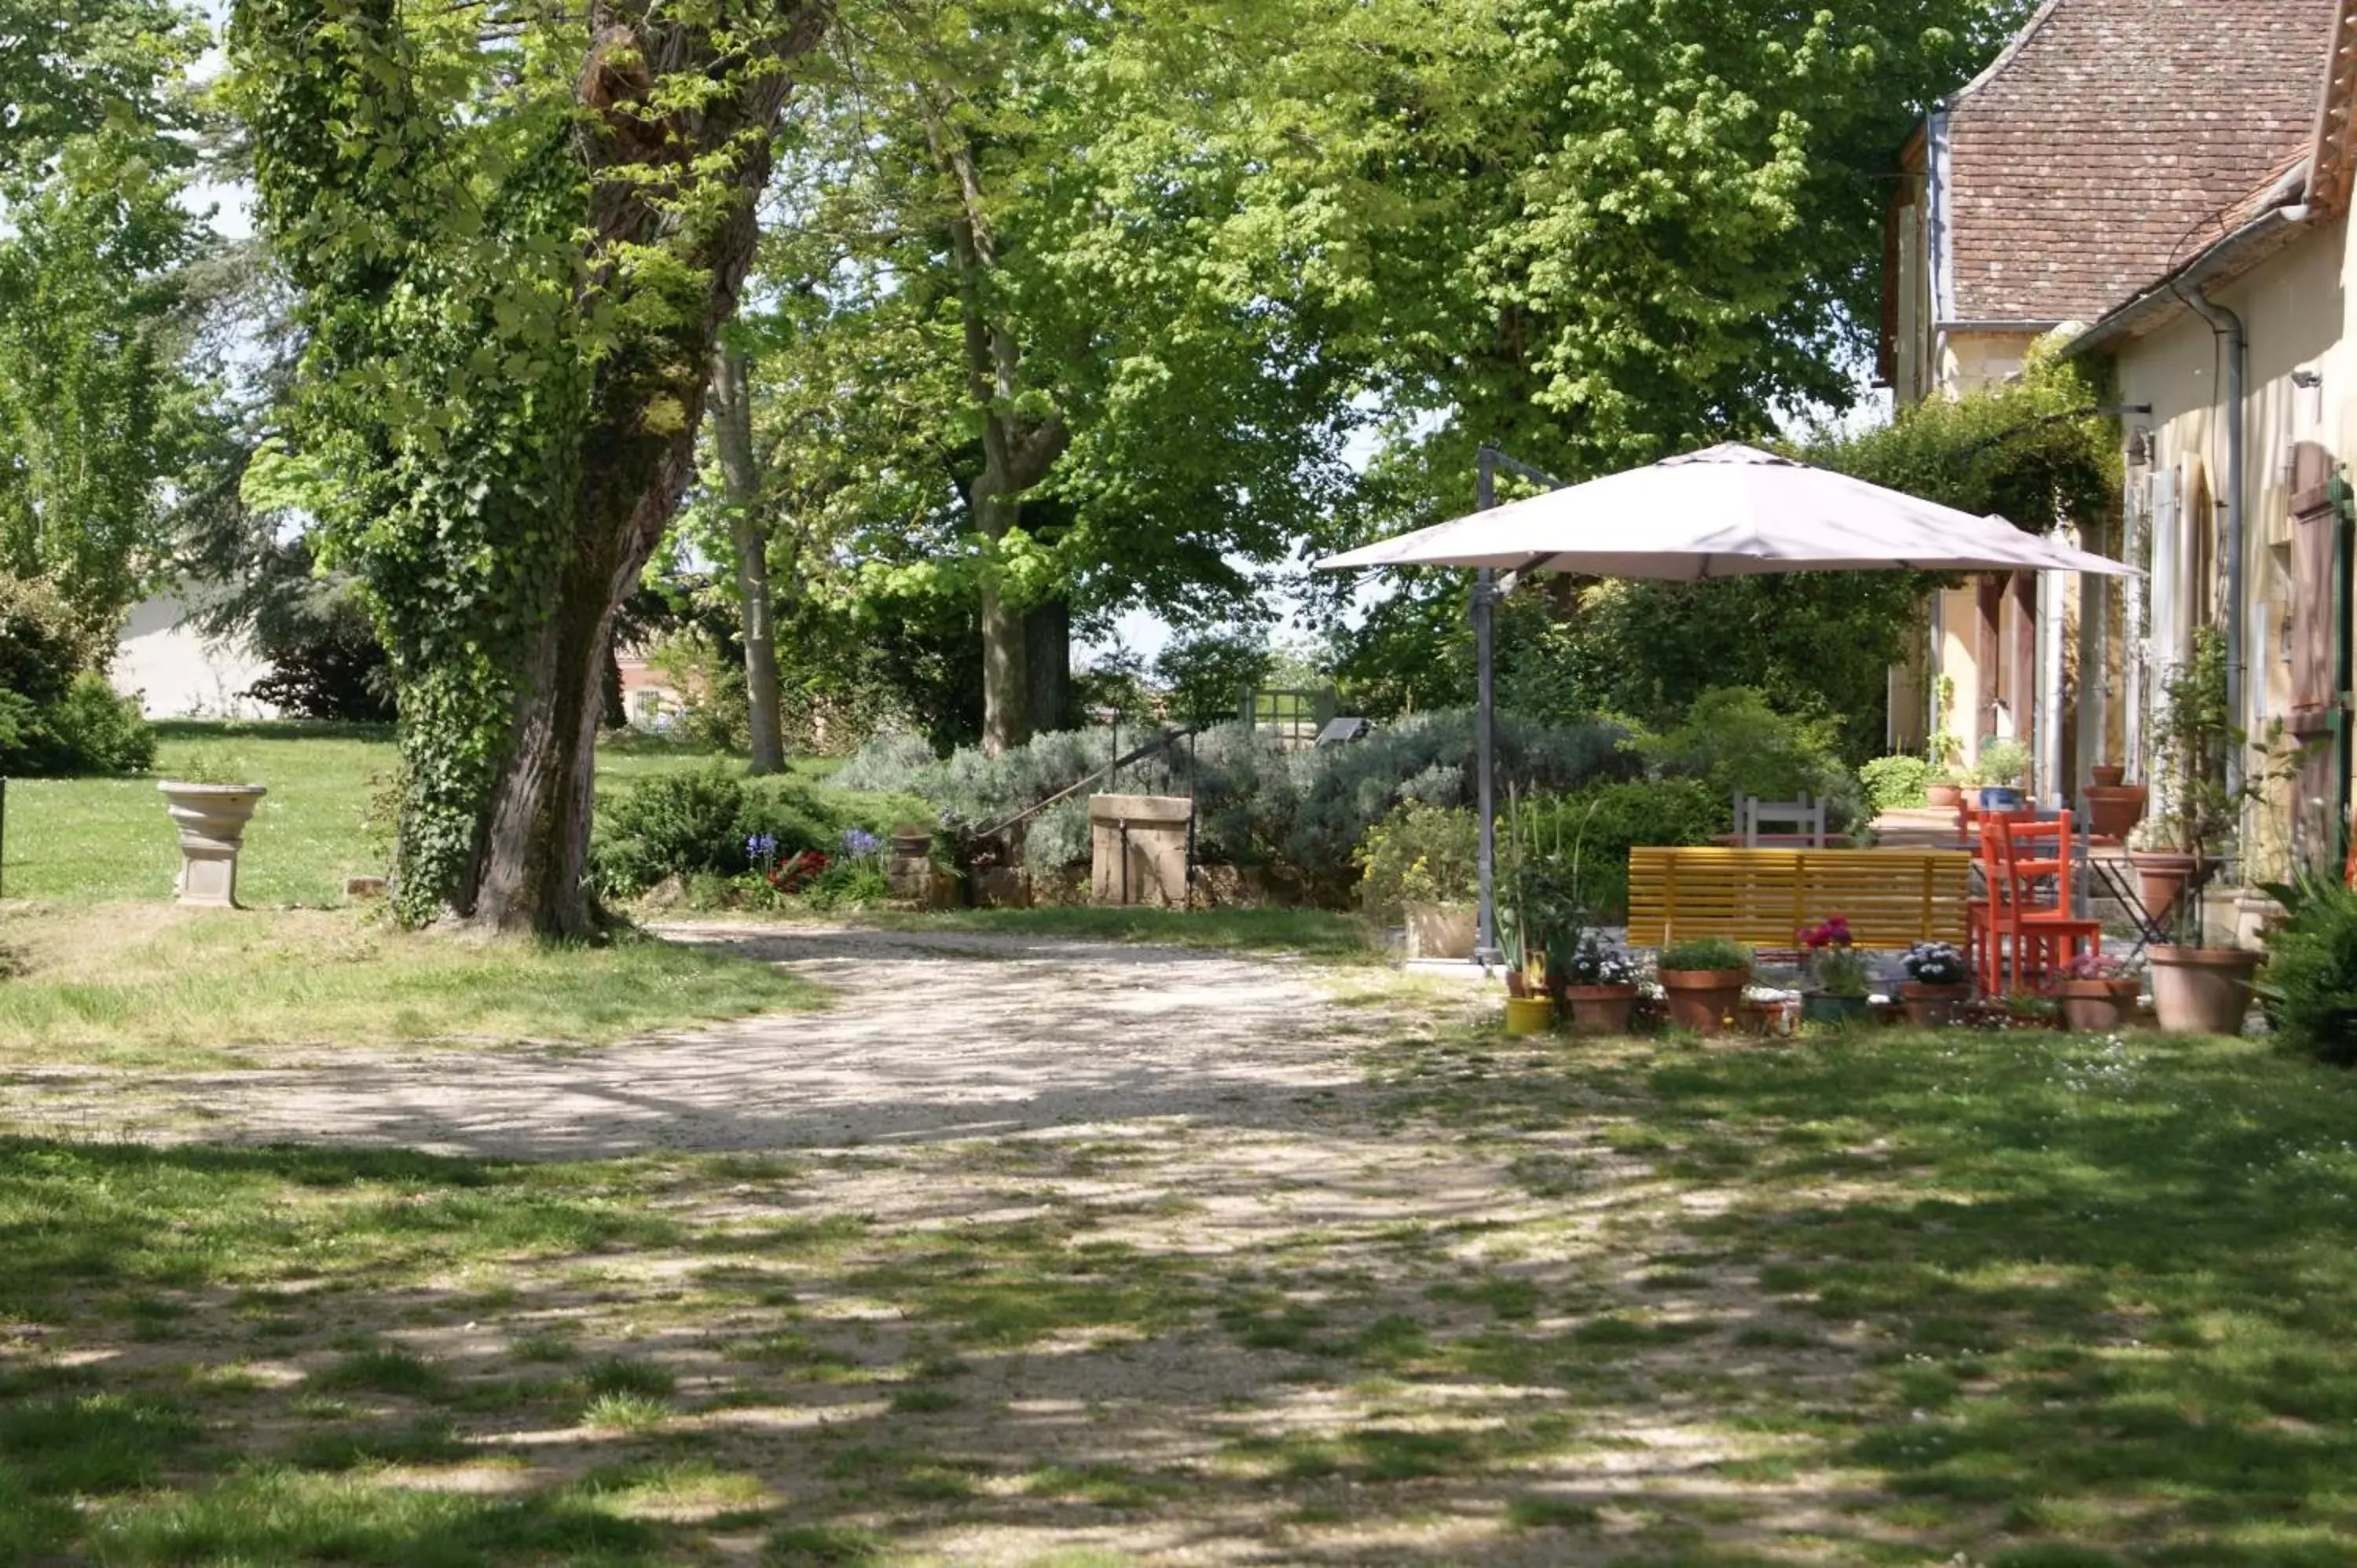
(1763, 897)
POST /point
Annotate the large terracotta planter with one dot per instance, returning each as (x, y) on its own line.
(1704, 1000)
(1599, 1009)
(1441, 930)
(2113, 809)
(2163, 877)
(1933, 1006)
(212, 819)
(1944, 796)
(2201, 990)
(2096, 1006)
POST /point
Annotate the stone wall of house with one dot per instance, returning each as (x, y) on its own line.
(2299, 308)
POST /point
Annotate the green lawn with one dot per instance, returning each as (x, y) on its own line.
(2023, 1301)
(88, 840)
(151, 984)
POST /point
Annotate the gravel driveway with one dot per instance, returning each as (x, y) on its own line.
(928, 1036)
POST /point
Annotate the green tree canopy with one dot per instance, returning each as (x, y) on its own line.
(1048, 240)
(98, 412)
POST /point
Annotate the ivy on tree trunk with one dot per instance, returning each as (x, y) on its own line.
(518, 235)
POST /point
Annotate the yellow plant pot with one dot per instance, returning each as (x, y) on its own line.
(1529, 1015)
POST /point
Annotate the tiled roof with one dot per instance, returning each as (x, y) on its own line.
(2107, 143)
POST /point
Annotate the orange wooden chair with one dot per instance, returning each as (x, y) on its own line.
(2029, 930)
(1974, 823)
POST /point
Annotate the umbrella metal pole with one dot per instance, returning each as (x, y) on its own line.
(1485, 724)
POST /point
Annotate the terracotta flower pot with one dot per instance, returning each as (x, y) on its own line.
(2113, 809)
(1704, 1000)
(1599, 1009)
(1933, 1006)
(2096, 1006)
(2106, 776)
(1944, 796)
(2201, 990)
(2162, 877)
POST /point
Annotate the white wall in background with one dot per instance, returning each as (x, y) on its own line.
(178, 674)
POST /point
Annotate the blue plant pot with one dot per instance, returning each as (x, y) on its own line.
(1999, 798)
(1844, 1011)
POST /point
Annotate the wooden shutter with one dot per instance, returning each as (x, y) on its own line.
(2316, 527)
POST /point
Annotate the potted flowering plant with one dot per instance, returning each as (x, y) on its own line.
(1839, 975)
(2003, 765)
(2097, 993)
(1600, 986)
(1939, 982)
(1703, 981)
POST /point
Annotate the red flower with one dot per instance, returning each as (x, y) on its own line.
(1834, 933)
(793, 874)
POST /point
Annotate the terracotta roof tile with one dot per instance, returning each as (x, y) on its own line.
(2111, 142)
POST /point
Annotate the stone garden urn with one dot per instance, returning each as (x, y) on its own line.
(212, 819)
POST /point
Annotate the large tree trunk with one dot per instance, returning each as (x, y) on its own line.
(528, 875)
(1015, 455)
(740, 470)
(1005, 672)
(1047, 659)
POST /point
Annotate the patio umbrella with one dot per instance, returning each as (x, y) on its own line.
(1730, 510)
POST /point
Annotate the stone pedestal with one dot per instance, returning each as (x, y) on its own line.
(910, 876)
(212, 819)
(1138, 845)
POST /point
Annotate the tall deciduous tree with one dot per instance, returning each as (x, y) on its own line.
(743, 470)
(1061, 223)
(1612, 229)
(517, 230)
(71, 68)
(1604, 230)
(97, 413)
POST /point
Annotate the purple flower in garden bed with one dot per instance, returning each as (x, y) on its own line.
(761, 848)
(859, 843)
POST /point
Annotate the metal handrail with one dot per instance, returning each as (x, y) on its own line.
(1161, 741)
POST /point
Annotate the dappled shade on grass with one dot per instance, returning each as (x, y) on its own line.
(168, 987)
(2032, 1298)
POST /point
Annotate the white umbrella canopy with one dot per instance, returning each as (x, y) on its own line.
(1730, 510)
